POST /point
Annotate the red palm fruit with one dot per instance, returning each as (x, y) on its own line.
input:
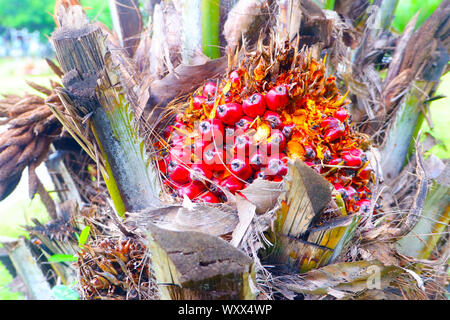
(276, 142)
(242, 146)
(363, 205)
(365, 173)
(191, 190)
(341, 114)
(261, 174)
(197, 102)
(254, 105)
(178, 172)
(180, 153)
(351, 192)
(230, 135)
(199, 146)
(330, 122)
(212, 128)
(230, 113)
(232, 184)
(277, 165)
(273, 118)
(288, 129)
(277, 98)
(162, 165)
(335, 161)
(244, 123)
(240, 168)
(200, 171)
(277, 179)
(230, 132)
(208, 197)
(310, 153)
(257, 160)
(353, 157)
(209, 89)
(215, 158)
(334, 133)
(235, 79)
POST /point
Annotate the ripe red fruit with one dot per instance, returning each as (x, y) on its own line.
(288, 129)
(277, 98)
(212, 128)
(191, 190)
(365, 173)
(254, 105)
(276, 142)
(334, 133)
(244, 123)
(199, 146)
(215, 158)
(200, 171)
(235, 79)
(341, 114)
(162, 165)
(273, 118)
(260, 174)
(277, 179)
(353, 157)
(229, 113)
(310, 153)
(257, 160)
(363, 205)
(242, 146)
(208, 197)
(277, 165)
(240, 168)
(209, 89)
(232, 184)
(330, 122)
(335, 161)
(197, 102)
(351, 192)
(180, 153)
(178, 172)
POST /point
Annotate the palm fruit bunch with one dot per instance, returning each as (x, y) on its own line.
(271, 107)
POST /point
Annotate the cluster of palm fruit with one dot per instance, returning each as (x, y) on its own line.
(248, 125)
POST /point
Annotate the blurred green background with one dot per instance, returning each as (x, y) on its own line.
(17, 210)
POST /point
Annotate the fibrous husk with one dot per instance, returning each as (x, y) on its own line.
(31, 129)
